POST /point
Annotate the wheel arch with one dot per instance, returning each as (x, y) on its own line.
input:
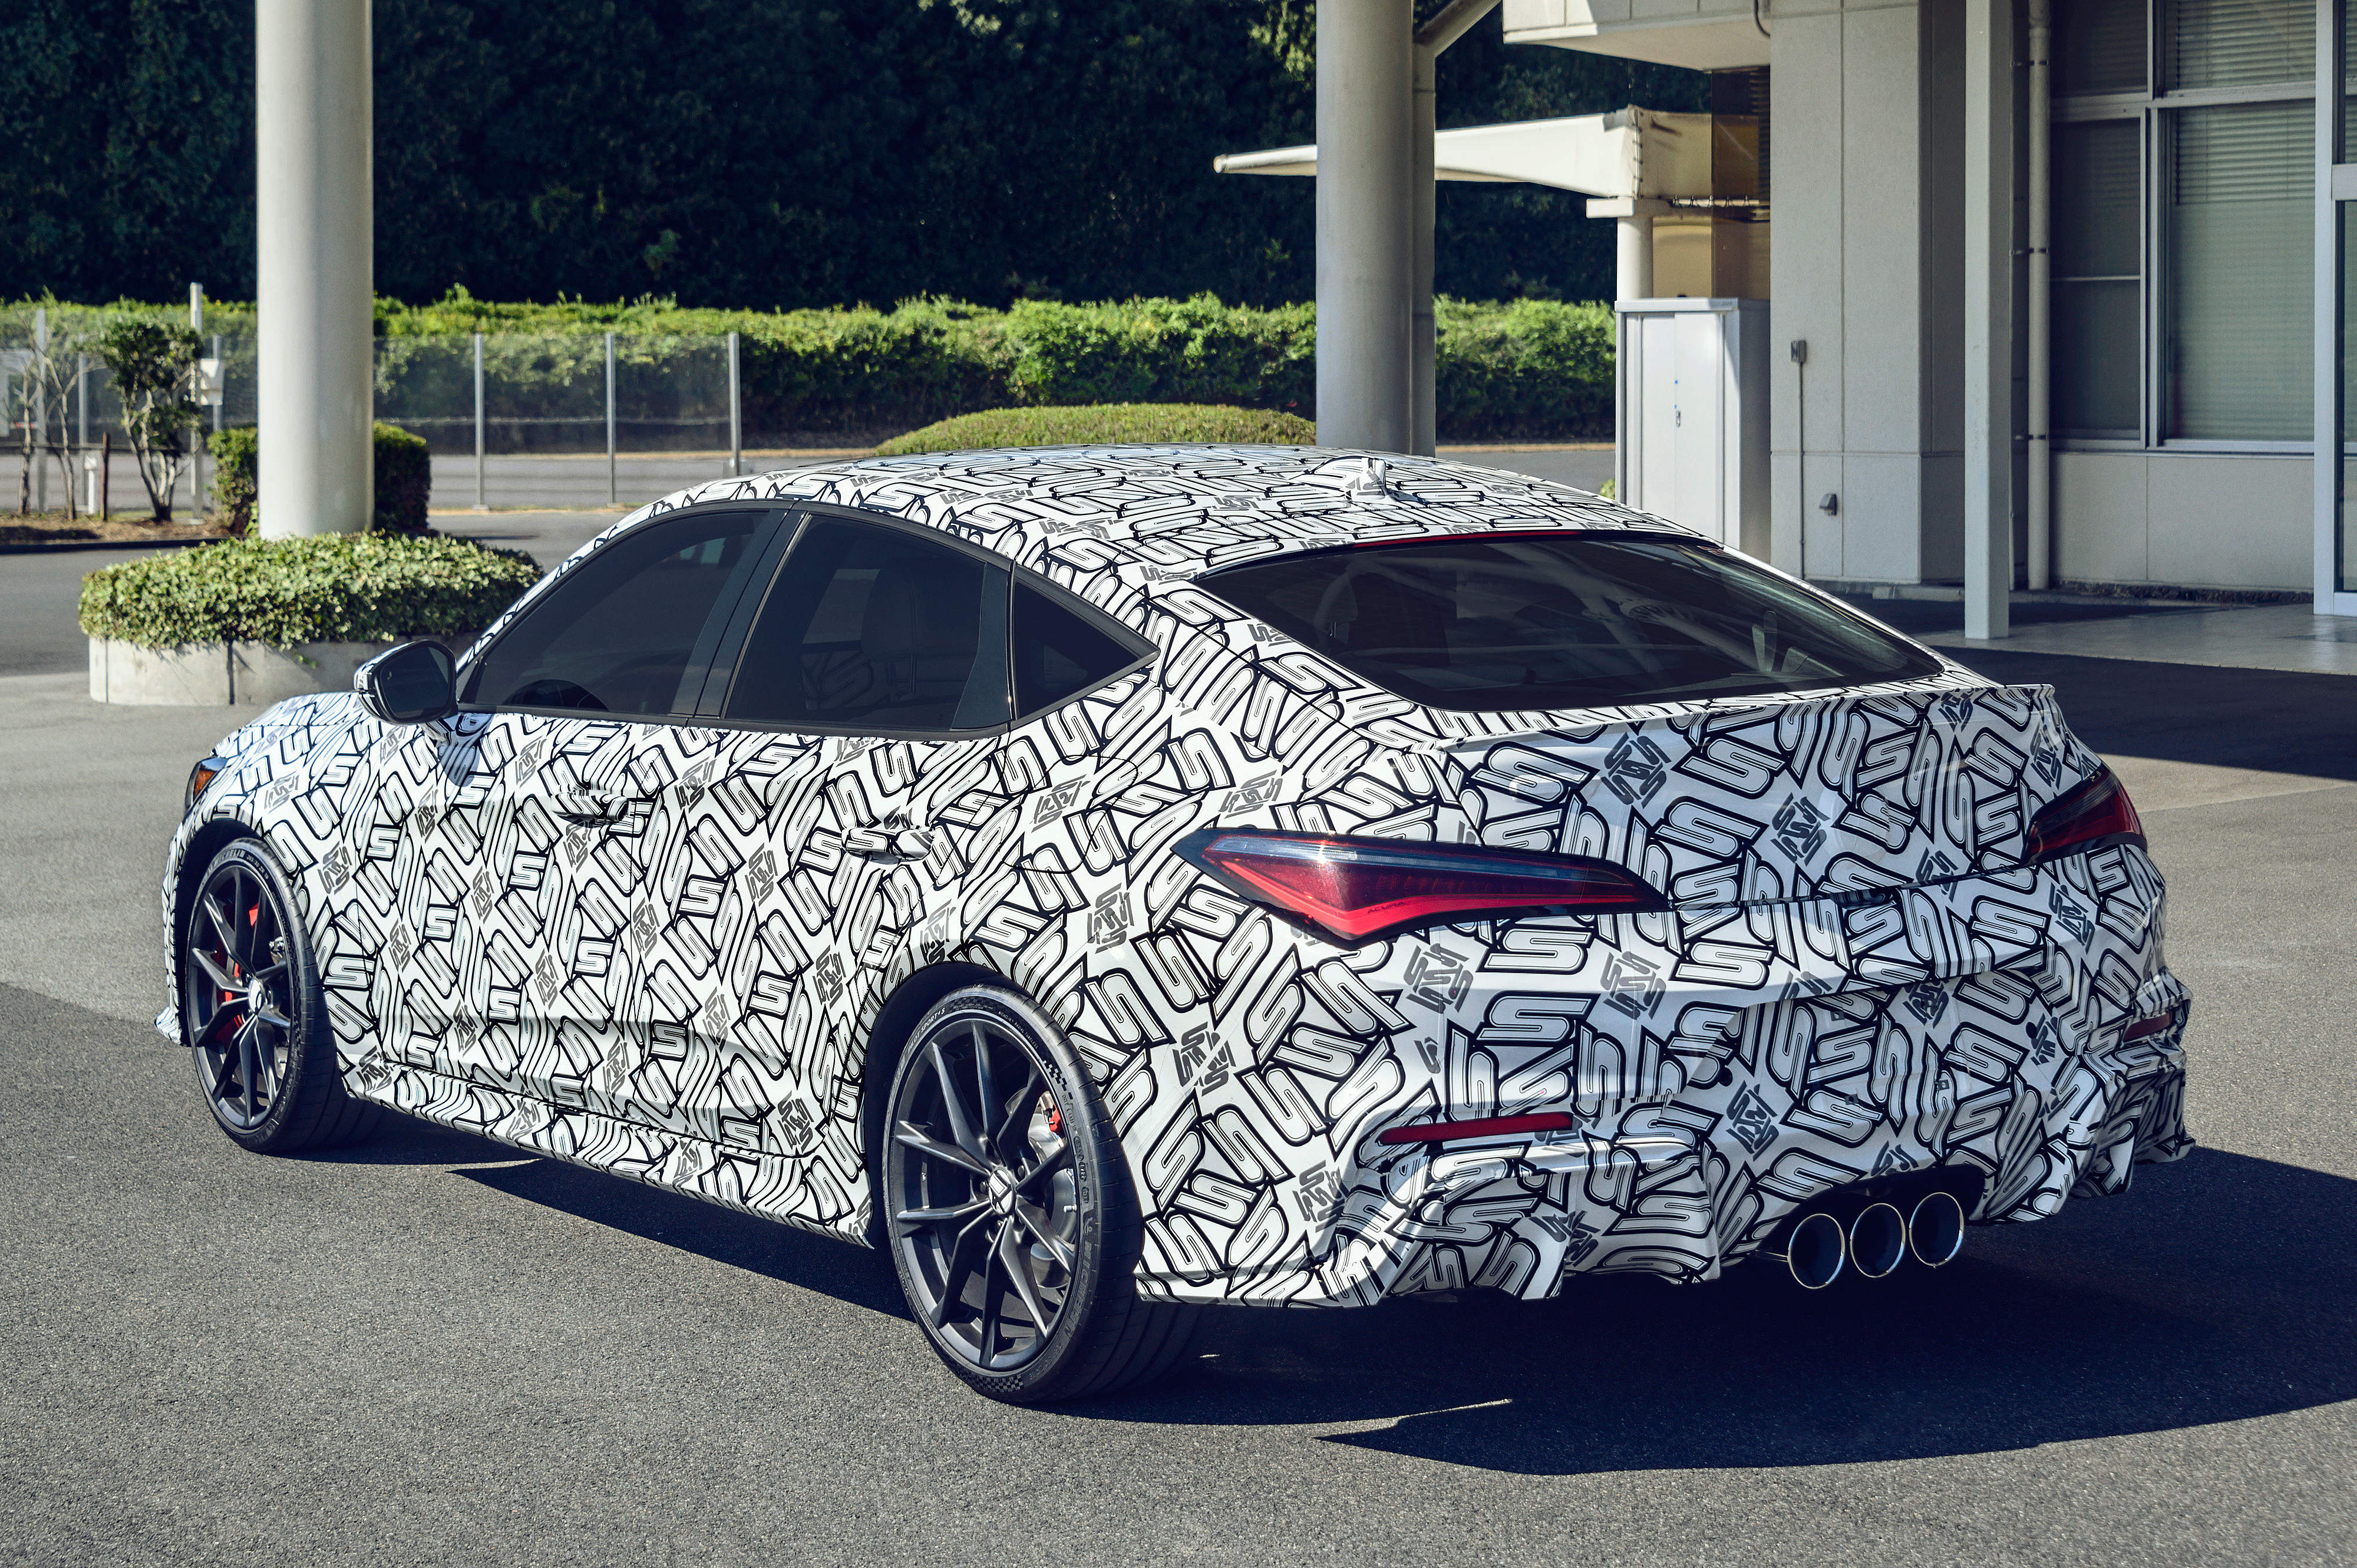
(909, 1001)
(203, 844)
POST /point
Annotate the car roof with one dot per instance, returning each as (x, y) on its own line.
(1154, 514)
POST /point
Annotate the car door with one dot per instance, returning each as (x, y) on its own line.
(571, 768)
(863, 710)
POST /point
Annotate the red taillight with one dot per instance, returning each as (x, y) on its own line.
(1355, 889)
(2145, 1028)
(2095, 814)
(1483, 1127)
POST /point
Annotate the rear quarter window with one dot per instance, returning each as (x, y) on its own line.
(1501, 622)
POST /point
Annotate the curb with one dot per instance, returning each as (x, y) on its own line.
(68, 546)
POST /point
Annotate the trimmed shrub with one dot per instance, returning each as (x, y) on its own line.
(237, 478)
(349, 587)
(1106, 424)
(404, 480)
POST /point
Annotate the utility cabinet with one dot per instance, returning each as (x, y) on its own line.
(1691, 381)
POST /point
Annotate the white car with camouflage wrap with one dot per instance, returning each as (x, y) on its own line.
(1121, 880)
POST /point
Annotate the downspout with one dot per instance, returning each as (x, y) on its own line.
(2039, 303)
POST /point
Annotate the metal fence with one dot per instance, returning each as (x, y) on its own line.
(502, 394)
(628, 397)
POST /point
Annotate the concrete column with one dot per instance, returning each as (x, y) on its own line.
(314, 282)
(1633, 259)
(1365, 206)
(1988, 317)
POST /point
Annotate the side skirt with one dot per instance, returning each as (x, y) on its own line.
(802, 1190)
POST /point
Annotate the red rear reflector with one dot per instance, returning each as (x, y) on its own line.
(2143, 1028)
(2094, 815)
(1355, 889)
(1486, 1127)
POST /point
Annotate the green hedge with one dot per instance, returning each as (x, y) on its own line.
(1106, 424)
(331, 588)
(1532, 369)
(404, 478)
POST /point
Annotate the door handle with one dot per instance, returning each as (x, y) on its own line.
(889, 844)
(592, 806)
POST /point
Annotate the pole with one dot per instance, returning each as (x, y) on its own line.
(1988, 318)
(82, 425)
(1424, 411)
(2331, 562)
(613, 490)
(1434, 36)
(736, 415)
(313, 236)
(105, 473)
(40, 421)
(196, 446)
(1365, 81)
(479, 503)
(2038, 305)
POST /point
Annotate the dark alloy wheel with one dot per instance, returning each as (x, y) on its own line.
(1008, 1212)
(251, 1012)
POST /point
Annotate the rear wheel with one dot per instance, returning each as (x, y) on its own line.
(252, 1013)
(1009, 1213)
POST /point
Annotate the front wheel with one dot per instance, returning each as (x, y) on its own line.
(252, 1013)
(1009, 1212)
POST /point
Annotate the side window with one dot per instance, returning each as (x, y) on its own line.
(872, 627)
(628, 629)
(1057, 652)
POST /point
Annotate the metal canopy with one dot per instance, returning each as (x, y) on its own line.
(1627, 153)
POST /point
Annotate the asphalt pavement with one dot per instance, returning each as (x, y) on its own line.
(434, 1349)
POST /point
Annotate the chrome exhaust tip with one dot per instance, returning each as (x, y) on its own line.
(1816, 1251)
(1935, 1232)
(1877, 1239)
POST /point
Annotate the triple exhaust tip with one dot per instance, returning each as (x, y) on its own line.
(1876, 1241)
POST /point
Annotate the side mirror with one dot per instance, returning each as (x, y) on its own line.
(409, 684)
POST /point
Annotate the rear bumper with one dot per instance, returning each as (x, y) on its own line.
(1977, 1025)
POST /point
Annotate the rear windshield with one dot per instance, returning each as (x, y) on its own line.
(1493, 622)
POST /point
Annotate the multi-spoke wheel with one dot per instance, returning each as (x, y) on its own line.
(251, 1012)
(1009, 1212)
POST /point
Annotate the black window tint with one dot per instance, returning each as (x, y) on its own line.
(875, 629)
(1498, 623)
(1058, 653)
(619, 632)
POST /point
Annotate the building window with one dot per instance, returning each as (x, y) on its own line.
(2183, 221)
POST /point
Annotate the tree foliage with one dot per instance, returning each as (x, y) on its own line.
(154, 364)
(766, 154)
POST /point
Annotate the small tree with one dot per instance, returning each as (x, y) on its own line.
(43, 386)
(155, 365)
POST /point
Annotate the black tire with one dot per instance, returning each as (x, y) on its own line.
(252, 1013)
(1039, 1186)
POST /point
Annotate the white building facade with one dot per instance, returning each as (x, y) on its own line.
(2161, 257)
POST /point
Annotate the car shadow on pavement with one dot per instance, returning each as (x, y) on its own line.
(2216, 1291)
(2276, 720)
(853, 1275)
(2220, 1289)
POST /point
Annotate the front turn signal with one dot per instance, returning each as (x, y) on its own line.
(200, 777)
